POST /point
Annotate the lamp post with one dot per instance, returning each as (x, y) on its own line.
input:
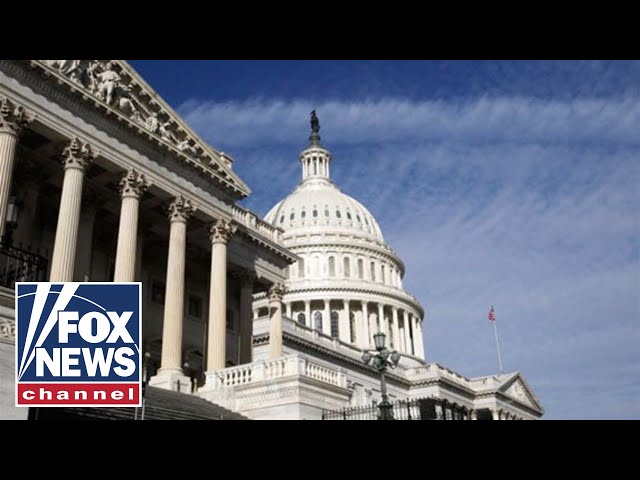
(382, 360)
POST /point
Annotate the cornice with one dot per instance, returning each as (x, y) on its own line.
(136, 102)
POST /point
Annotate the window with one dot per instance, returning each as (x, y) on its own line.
(315, 213)
(352, 324)
(360, 269)
(292, 216)
(302, 319)
(347, 267)
(382, 273)
(157, 292)
(348, 215)
(301, 268)
(303, 214)
(332, 266)
(334, 324)
(373, 271)
(326, 212)
(317, 321)
(338, 214)
(282, 219)
(358, 217)
(195, 306)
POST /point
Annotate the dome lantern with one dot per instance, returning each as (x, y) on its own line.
(315, 158)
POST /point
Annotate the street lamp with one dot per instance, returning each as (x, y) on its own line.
(382, 360)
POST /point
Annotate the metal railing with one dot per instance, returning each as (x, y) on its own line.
(20, 265)
(417, 409)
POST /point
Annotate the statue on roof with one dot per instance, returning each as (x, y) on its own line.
(315, 123)
(314, 138)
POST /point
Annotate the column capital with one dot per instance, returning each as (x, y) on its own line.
(133, 184)
(221, 231)
(276, 292)
(12, 117)
(77, 155)
(180, 209)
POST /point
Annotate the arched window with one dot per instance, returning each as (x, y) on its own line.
(358, 217)
(326, 212)
(338, 215)
(282, 219)
(302, 320)
(332, 266)
(301, 268)
(335, 329)
(360, 269)
(292, 216)
(382, 273)
(303, 214)
(373, 271)
(352, 324)
(348, 215)
(347, 267)
(315, 213)
(317, 320)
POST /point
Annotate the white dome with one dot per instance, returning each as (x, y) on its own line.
(347, 283)
(319, 203)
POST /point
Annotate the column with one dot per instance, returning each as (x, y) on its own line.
(246, 321)
(76, 158)
(326, 318)
(12, 121)
(407, 334)
(495, 414)
(417, 338)
(82, 268)
(474, 415)
(307, 314)
(364, 338)
(381, 324)
(418, 334)
(345, 323)
(170, 375)
(132, 186)
(289, 314)
(219, 234)
(395, 329)
(403, 347)
(275, 321)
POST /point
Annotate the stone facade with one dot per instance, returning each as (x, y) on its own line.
(110, 184)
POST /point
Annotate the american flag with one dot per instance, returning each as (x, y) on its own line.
(492, 314)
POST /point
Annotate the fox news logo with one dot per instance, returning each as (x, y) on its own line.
(78, 344)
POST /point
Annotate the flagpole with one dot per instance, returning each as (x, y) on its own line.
(495, 331)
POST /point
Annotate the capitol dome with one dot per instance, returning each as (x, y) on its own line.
(347, 283)
(318, 203)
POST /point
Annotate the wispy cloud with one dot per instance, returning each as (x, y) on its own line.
(529, 204)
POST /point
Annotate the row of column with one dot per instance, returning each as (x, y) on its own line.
(406, 339)
(76, 157)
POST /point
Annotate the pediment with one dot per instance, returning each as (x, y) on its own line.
(115, 86)
(518, 390)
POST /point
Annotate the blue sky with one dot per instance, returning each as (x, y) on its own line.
(507, 183)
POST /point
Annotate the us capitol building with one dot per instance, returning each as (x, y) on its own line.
(101, 180)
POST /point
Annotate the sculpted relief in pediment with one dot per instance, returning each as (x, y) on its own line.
(108, 82)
